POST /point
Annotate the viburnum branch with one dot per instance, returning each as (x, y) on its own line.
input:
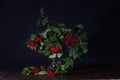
(53, 43)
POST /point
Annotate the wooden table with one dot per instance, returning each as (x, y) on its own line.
(89, 73)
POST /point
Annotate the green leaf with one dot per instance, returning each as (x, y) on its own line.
(57, 69)
(84, 36)
(47, 52)
(60, 69)
(44, 34)
(84, 43)
(27, 70)
(68, 63)
(63, 67)
(71, 51)
(32, 37)
(62, 25)
(42, 11)
(61, 37)
(57, 31)
(78, 28)
(65, 30)
(42, 19)
(38, 22)
(41, 51)
(84, 46)
(74, 52)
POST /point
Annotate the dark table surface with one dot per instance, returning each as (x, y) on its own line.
(86, 72)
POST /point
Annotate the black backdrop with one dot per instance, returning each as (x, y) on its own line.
(18, 20)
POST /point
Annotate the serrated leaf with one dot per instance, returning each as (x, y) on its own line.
(26, 71)
(65, 30)
(84, 45)
(62, 67)
(61, 37)
(71, 52)
(78, 29)
(84, 36)
(79, 26)
(38, 22)
(68, 62)
(32, 37)
(57, 69)
(44, 34)
(42, 11)
(44, 21)
(62, 25)
(47, 52)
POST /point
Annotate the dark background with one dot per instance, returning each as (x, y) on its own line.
(100, 17)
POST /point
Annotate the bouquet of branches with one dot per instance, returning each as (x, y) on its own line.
(52, 42)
